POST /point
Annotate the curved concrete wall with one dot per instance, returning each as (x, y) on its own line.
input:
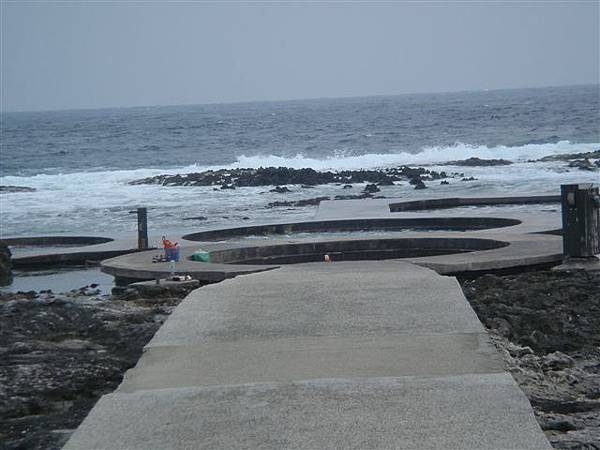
(58, 241)
(351, 250)
(443, 203)
(426, 223)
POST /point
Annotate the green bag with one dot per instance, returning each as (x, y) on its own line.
(201, 255)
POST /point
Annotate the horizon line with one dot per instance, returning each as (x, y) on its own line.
(242, 102)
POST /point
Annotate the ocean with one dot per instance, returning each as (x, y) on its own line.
(79, 162)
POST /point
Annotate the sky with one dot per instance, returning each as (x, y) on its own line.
(94, 54)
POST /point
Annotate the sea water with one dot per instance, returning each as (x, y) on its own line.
(80, 162)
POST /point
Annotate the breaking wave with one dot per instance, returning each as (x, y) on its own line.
(428, 155)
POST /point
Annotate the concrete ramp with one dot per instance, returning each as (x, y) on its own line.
(315, 356)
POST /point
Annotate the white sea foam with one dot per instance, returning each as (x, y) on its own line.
(429, 156)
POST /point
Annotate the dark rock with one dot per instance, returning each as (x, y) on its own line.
(280, 189)
(571, 156)
(20, 295)
(564, 405)
(124, 293)
(537, 338)
(478, 162)
(347, 186)
(195, 218)
(444, 182)
(5, 265)
(548, 311)
(411, 172)
(84, 291)
(12, 189)
(223, 187)
(547, 327)
(417, 182)
(557, 361)
(278, 176)
(353, 196)
(516, 351)
(371, 189)
(469, 179)
(583, 164)
(150, 289)
(298, 203)
(499, 325)
(558, 425)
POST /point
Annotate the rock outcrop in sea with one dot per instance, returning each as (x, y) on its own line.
(589, 161)
(570, 156)
(13, 189)
(478, 162)
(281, 176)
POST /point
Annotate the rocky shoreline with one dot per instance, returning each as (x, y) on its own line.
(60, 353)
(546, 325)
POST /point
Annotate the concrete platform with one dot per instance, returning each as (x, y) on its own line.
(528, 241)
(139, 266)
(524, 247)
(65, 249)
(322, 355)
(523, 251)
(515, 250)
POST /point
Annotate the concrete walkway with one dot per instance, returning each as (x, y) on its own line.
(365, 355)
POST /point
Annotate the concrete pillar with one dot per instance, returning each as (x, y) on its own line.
(581, 222)
(142, 225)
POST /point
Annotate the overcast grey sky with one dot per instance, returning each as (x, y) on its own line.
(58, 55)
